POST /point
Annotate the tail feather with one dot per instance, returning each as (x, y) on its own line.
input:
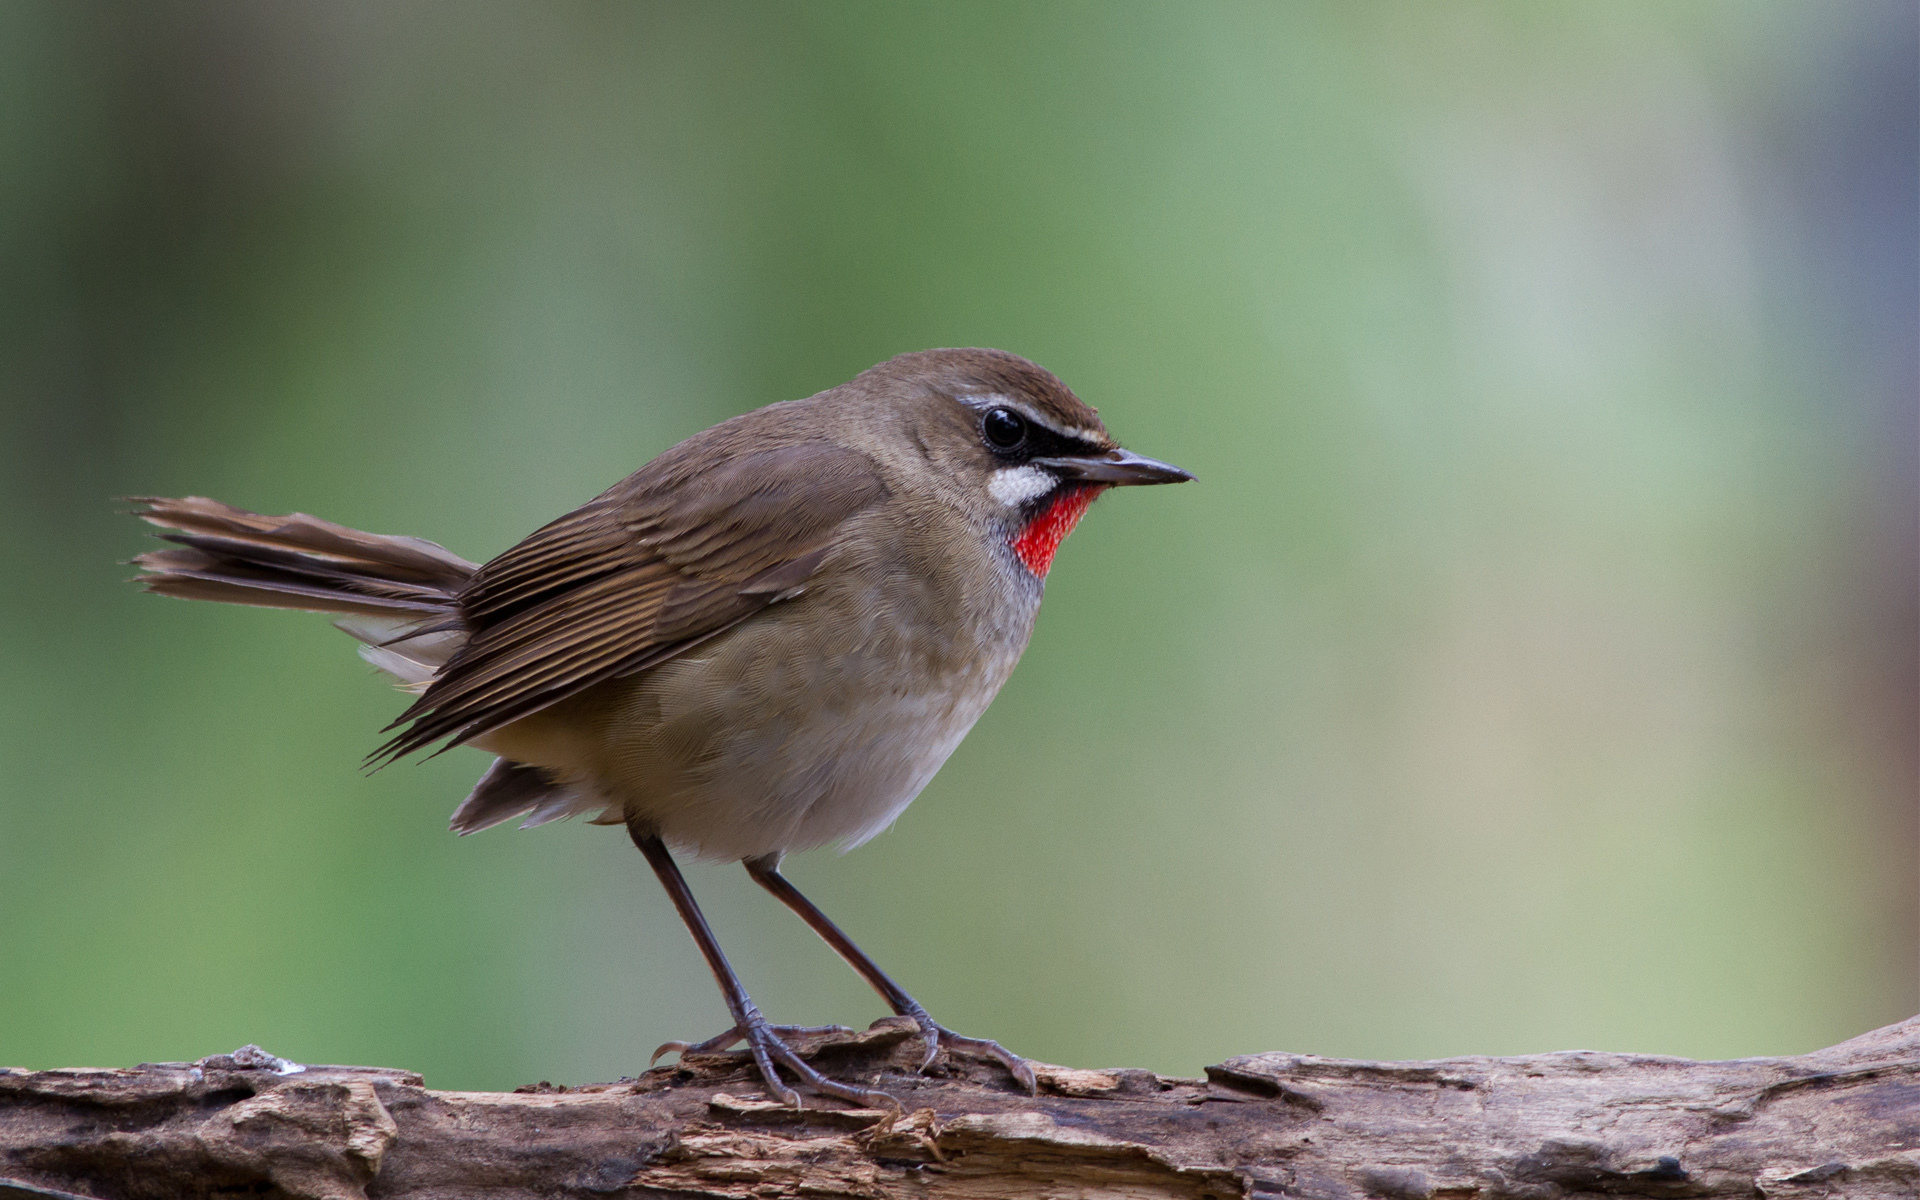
(295, 561)
(398, 596)
(403, 648)
(509, 789)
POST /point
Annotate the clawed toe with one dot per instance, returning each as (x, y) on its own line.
(935, 1035)
(767, 1045)
(733, 1037)
(1018, 1067)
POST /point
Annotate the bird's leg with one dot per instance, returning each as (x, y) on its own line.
(763, 1040)
(766, 873)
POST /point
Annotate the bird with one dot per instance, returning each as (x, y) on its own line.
(766, 640)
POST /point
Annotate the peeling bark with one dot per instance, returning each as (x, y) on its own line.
(1841, 1122)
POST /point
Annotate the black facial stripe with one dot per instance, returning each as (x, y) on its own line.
(1045, 443)
(1038, 442)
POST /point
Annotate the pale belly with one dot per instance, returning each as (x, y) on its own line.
(764, 741)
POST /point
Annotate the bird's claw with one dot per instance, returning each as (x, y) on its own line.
(731, 1038)
(767, 1046)
(936, 1035)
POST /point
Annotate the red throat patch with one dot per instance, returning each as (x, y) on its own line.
(1037, 542)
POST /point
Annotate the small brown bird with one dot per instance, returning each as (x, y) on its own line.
(766, 639)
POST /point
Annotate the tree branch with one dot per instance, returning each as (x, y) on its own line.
(1844, 1121)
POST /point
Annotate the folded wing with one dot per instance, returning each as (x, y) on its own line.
(671, 557)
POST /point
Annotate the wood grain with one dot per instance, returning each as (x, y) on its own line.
(1841, 1122)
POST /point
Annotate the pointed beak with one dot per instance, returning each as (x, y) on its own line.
(1115, 468)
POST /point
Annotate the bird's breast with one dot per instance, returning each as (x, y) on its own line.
(817, 721)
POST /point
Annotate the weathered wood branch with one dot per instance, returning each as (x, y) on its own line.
(1844, 1121)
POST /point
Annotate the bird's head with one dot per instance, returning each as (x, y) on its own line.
(1003, 439)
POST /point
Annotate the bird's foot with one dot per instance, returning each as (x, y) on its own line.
(733, 1037)
(766, 1043)
(935, 1035)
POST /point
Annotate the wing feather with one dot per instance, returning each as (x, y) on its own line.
(678, 553)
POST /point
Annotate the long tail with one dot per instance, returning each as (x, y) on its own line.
(396, 594)
(295, 561)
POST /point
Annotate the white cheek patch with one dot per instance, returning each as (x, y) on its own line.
(1015, 486)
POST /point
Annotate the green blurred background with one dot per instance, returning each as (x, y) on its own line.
(1533, 666)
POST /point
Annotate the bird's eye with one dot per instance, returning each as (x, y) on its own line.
(1004, 428)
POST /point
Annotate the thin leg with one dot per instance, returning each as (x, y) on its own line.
(762, 1040)
(766, 873)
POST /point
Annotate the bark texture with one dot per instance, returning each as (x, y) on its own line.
(1842, 1122)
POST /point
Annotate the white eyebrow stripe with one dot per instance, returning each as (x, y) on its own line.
(1015, 486)
(1002, 400)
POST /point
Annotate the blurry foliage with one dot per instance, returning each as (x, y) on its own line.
(1533, 665)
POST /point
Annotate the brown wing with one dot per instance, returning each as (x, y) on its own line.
(669, 558)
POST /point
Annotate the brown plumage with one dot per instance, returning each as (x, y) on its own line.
(768, 638)
(661, 561)
(295, 561)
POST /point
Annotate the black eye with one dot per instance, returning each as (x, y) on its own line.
(1004, 428)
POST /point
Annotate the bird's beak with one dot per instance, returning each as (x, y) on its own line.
(1115, 468)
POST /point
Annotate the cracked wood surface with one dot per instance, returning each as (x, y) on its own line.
(1841, 1122)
